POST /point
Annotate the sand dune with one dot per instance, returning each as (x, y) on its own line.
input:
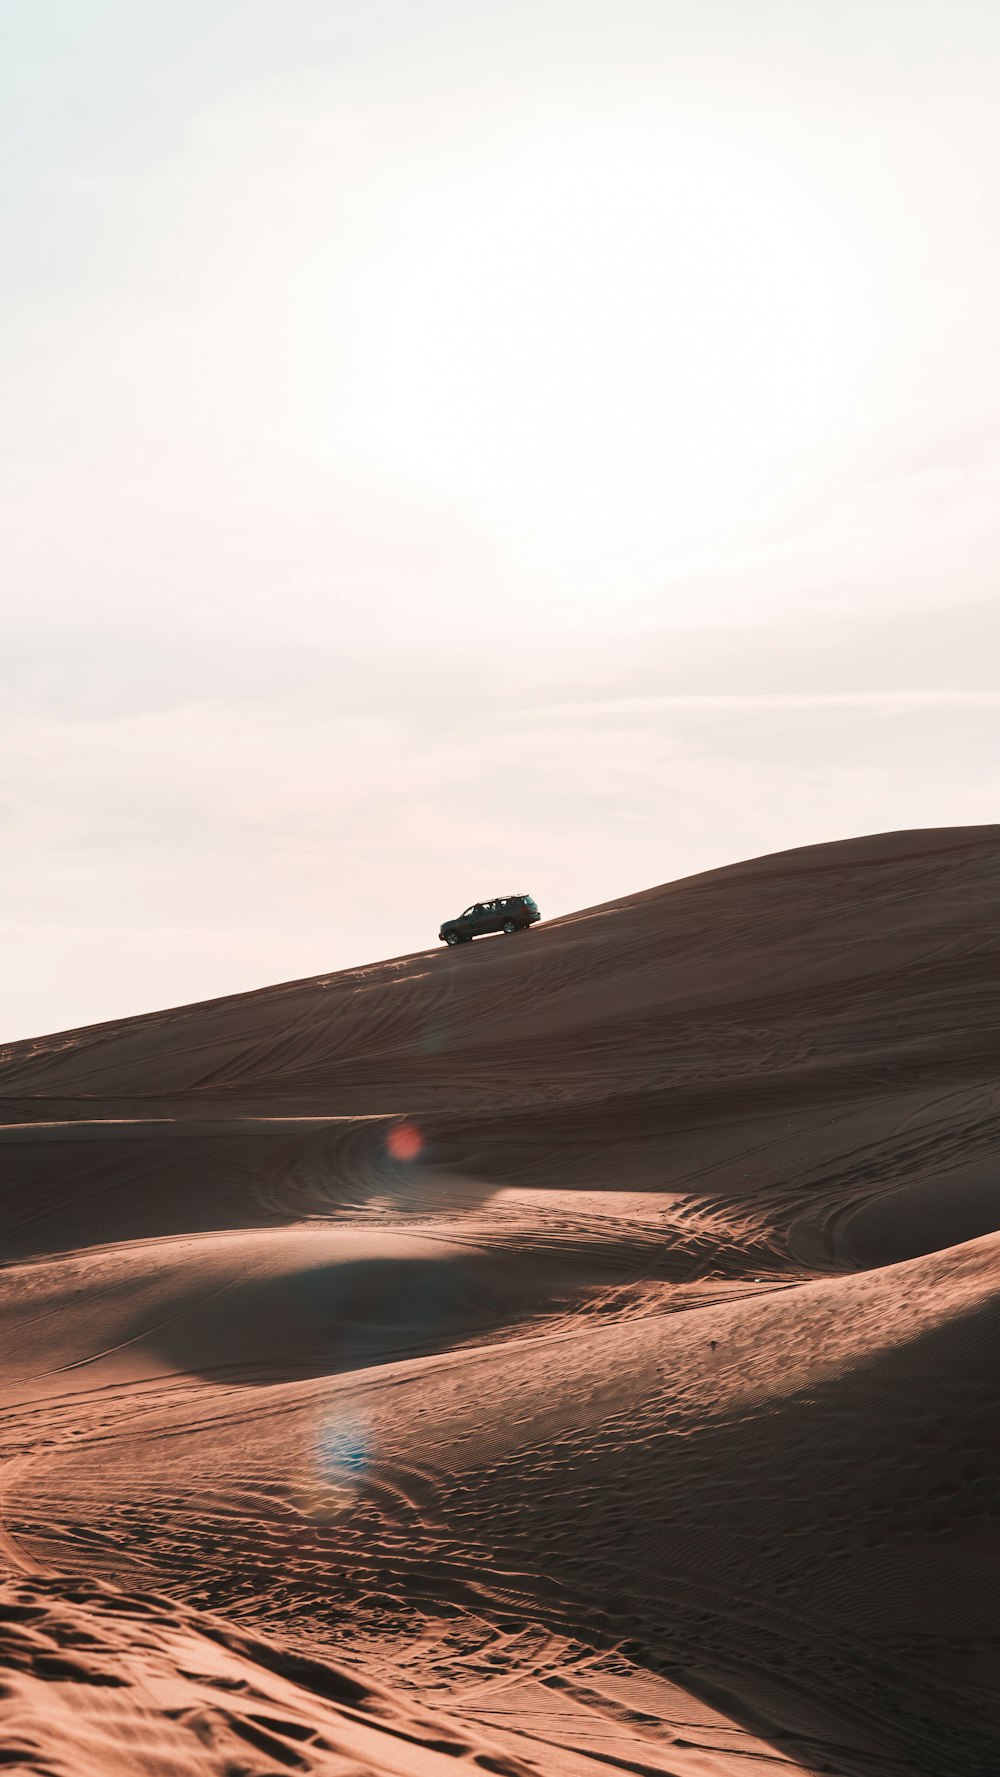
(575, 1352)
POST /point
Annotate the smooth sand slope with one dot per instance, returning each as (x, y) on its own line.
(574, 1352)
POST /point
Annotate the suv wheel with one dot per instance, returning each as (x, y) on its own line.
(453, 937)
(510, 925)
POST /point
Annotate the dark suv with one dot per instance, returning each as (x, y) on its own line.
(508, 913)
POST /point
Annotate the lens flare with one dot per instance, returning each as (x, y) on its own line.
(340, 1460)
(404, 1141)
(343, 1446)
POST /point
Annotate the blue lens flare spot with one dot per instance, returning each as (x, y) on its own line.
(342, 1448)
(340, 1458)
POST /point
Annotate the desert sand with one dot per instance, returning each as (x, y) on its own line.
(574, 1352)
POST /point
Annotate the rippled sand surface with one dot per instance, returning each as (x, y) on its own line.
(576, 1352)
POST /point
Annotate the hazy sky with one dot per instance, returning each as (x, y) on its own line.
(460, 446)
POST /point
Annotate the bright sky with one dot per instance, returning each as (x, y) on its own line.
(451, 447)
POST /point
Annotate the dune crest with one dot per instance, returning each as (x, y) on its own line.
(573, 1352)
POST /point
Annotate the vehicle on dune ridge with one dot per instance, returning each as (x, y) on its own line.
(507, 913)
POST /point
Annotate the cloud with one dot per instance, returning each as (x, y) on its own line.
(715, 703)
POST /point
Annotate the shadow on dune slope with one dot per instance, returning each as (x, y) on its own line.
(925, 1217)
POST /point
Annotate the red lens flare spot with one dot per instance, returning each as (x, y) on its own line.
(404, 1141)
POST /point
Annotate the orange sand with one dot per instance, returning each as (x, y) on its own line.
(571, 1353)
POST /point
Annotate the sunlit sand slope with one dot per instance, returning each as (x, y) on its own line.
(573, 1352)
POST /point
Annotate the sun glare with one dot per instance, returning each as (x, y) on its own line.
(610, 337)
